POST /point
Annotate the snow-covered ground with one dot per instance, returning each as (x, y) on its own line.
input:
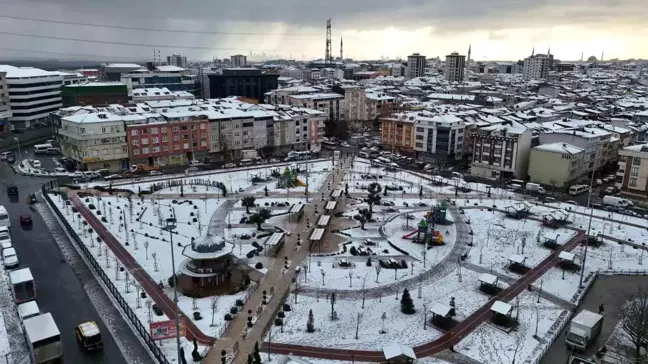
(489, 344)
(399, 327)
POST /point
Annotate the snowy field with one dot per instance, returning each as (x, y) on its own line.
(496, 238)
(488, 344)
(400, 328)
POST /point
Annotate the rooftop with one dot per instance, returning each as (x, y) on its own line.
(26, 72)
(562, 148)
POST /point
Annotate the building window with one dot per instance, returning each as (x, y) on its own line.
(154, 130)
(145, 141)
(134, 142)
(175, 128)
(164, 129)
(165, 148)
(156, 140)
(176, 146)
(145, 150)
(136, 152)
(634, 171)
(185, 145)
(165, 139)
(633, 182)
(203, 126)
(636, 161)
(176, 138)
(156, 149)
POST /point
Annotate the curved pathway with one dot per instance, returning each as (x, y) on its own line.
(435, 273)
(137, 272)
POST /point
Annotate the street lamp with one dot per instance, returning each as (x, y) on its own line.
(19, 154)
(589, 224)
(170, 226)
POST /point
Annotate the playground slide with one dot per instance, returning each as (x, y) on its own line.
(409, 235)
(299, 182)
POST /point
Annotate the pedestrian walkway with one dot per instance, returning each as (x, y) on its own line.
(137, 272)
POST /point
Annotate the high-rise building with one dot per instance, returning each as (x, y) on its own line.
(33, 94)
(238, 61)
(177, 60)
(415, 65)
(536, 67)
(455, 65)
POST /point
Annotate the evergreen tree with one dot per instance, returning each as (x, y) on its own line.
(310, 325)
(407, 305)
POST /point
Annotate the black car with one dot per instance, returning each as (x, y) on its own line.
(12, 190)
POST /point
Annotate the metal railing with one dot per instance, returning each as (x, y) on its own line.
(132, 317)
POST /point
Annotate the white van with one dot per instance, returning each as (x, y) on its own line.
(616, 201)
(578, 189)
(42, 148)
(4, 217)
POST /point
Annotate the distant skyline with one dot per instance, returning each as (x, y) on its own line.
(497, 29)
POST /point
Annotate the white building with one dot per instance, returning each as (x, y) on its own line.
(415, 65)
(598, 145)
(455, 66)
(331, 104)
(5, 110)
(536, 67)
(95, 139)
(500, 151)
(438, 136)
(238, 61)
(33, 94)
(177, 60)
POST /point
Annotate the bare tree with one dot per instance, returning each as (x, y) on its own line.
(360, 316)
(364, 290)
(378, 269)
(634, 321)
(350, 278)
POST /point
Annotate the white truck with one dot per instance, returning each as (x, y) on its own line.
(535, 188)
(584, 328)
(617, 202)
(249, 154)
(44, 339)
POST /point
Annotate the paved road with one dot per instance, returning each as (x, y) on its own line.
(59, 290)
(612, 292)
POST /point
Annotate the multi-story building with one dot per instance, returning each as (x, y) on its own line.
(171, 77)
(280, 95)
(177, 60)
(455, 65)
(415, 65)
(632, 175)
(378, 103)
(114, 71)
(5, 110)
(33, 94)
(94, 93)
(331, 104)
(159, 94)
(94, 139)
(91, 73)
(238, 61)
(250, 83)
(173, 137)
(500, 151)
(355, 104)
(598, 146)
(555, 164)
(536, 67)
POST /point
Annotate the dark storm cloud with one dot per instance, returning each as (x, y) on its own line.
(296, 17)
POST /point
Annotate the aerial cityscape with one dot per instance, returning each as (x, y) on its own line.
(422, 183)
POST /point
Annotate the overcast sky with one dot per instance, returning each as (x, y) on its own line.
(497, 29)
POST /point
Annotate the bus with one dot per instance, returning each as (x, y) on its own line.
(578, 189)
(42, 148)
(22, 285)
(44, 339)
(4, 217)
(298, 156)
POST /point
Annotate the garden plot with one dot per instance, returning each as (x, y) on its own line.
(400, 328)
(396, 228)
(488, 344)
(129, 289)
(497, 238)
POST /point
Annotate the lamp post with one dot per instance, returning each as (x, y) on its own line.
(19, 154)
(589, 224)
(170, 226)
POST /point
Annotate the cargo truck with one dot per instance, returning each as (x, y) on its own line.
(584, 328)
(535, 188)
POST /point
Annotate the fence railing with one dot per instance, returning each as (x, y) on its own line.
(132, 317)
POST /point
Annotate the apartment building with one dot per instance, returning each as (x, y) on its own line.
(238, 61)
(500, 151)
(113, 71)
(94, 139)
(280, 96)
(415, 66)
(177, 60)
(355, 104)
(536, 67)
(5, 110)
(632, 175)
(33, 94)
(159, 94)
(598, 145)
(455, 65)
(378, 103)
(172, 137)
(556, 164)
(172, 78)
(331, 104)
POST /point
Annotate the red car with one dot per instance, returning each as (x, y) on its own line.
(25, 220)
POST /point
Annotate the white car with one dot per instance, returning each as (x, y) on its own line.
(5, 236)
(9, 258)
(36, 163)
(6, 245)
(155, 173)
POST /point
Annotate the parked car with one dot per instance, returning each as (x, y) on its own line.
(10, 258)
(5, 235)
(155, 173)
(36, 163)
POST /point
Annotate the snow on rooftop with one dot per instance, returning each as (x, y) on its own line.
(501, 307)
(123, 65)
(169, 69)
(396, 350)
(20, 276)
(26, 72)
(562, 148)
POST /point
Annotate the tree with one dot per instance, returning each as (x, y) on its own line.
(332, 304)
(257, 219)
(257, 354)
(374, 195)
(407, 304)
(634, 321)
(265, 213)
(310, 325)
(248, 202)
(365, 216)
